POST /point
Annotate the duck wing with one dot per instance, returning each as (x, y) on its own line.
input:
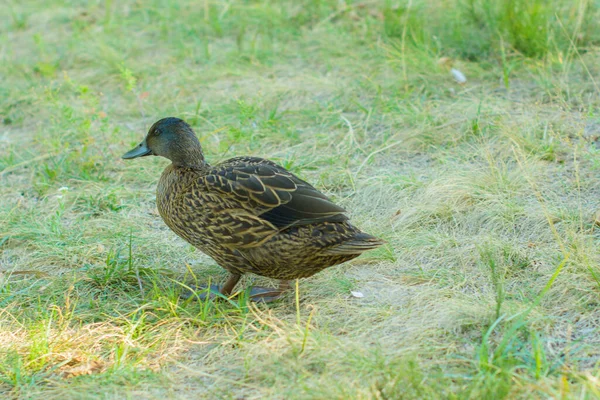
(271, 192)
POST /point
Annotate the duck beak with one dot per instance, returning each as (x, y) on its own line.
(140, 150)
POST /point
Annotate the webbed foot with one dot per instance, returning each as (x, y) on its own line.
(268, 295)
(257, 294)
(201, 292)
(261, 294)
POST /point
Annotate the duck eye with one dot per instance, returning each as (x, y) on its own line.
(157, 132)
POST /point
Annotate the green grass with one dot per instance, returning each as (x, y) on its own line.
(487, 194)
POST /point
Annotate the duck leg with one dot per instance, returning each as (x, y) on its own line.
(267, 295)
(225, 290)
(230, 284)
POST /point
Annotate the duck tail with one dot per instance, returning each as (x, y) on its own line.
(357, 244)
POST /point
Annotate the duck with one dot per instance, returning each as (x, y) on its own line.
(249, 214)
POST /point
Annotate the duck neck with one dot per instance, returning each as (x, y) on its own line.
(189, 158)
(188, 155)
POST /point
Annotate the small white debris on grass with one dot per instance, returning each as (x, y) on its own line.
(358, 295)
(61, 190)
(458, 76)
(448, 64)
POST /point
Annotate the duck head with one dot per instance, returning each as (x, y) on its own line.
(171, 138)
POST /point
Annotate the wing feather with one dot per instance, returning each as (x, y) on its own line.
(267, 190)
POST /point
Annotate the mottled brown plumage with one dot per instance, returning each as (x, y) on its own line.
(249, 214)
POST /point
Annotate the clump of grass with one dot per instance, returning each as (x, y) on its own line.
(478, 29)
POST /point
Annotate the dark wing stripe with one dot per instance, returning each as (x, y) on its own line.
(307, 203)
(282, 217)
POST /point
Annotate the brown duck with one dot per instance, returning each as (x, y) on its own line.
(247, 213)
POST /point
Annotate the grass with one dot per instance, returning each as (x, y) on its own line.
(486, 192)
